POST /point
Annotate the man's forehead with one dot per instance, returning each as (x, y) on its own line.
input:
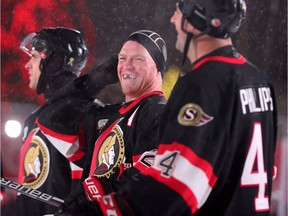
(33, 51)
(133, 45)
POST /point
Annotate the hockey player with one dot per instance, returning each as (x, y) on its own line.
(121, 134)
(218, 131)
(127, 130)
(53, 154)
(57, 57)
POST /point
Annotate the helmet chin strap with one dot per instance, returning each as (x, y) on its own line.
(186, 47)
(190, 36)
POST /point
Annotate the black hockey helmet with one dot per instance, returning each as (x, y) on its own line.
(217, 18)
(63, 55)
(65, 48)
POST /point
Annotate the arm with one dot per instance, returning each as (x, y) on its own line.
(61, 116)
(89, 85)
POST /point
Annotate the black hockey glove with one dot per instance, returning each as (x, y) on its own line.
(100, 191)
(78, 206)
(95, 187)
(115, 204)
(85, 200)
(88, 85)
(103, 75)
(98, 77)
(110, 204)
(102, 201)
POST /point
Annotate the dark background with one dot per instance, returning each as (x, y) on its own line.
(106, 24)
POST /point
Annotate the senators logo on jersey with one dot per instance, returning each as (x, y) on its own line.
(192, 115)
(35, 163)
(108, 152)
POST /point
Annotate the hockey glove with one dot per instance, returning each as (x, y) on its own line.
(115, 204)
(95, 187)
(78, 206)
(110, 204)
(104, 74)
(100, 191)
(85, 202)
(88, 85)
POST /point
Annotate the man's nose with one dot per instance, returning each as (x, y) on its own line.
(129, 64)
(172, 19)
(28, 65)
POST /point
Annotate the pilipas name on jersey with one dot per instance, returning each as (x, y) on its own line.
(256, 100)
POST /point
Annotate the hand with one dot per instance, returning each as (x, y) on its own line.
(102, 75)
(75, 89)
(95, 187)
(78, 206)
(72, 203)
(88, 85)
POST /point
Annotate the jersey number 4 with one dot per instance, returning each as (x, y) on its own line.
(252, 177)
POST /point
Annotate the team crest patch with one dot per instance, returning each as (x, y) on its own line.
(36, 163)
(101, 124)
(192, 115)
(110, 154)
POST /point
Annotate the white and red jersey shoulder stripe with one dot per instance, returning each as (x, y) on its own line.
(178, 167)
(68, 145)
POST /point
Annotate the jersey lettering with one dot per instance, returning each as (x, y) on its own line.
(109, 206)
(256, 100)
(251, 177)
(167, 164)
(94, 193)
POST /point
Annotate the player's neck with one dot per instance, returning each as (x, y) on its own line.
(155, 85)
(204, 45)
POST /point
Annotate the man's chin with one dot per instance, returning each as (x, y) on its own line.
(31, 86)
(179, 46)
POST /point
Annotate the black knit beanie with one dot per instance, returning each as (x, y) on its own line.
(154, 44)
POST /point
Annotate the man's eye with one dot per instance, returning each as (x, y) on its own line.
(34, 56)
(139, 59)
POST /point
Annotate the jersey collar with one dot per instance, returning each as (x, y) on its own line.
(226, 54)
(126, 107)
